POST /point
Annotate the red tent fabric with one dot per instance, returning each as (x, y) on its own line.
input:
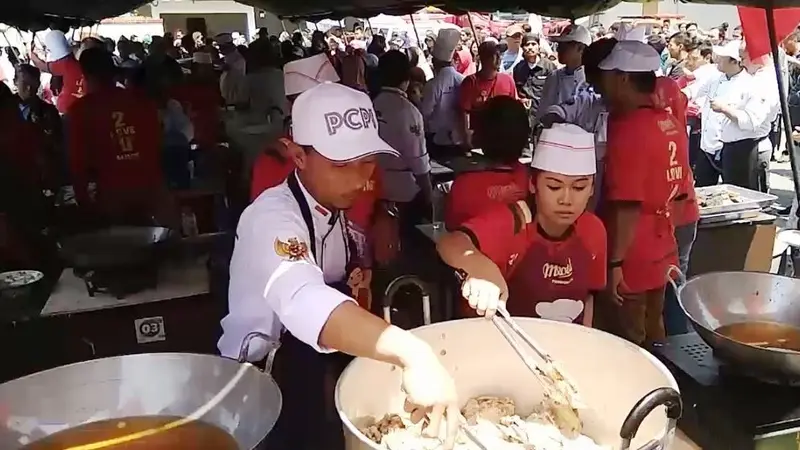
(754, 27)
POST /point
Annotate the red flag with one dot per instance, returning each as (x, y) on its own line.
(754, 27)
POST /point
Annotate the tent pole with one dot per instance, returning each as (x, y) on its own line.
(474, 34)
(369, 24)
(472, 27)
(787, 122)
(416, 33)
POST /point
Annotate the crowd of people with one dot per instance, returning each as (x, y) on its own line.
(617, 127)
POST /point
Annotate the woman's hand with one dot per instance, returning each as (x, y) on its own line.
(615, 282)
(485, 289)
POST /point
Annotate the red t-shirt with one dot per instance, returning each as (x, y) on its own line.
(69, 69)
(475, 91)
(474, 192)
(669, 96)
(548, 278)
(269, 171)
(114, 139)
(202, 103)
(647, 162)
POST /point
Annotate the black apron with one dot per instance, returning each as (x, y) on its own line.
(307, 379)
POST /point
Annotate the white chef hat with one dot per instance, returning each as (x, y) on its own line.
(57, 45)
(731, 50)
(631, 56)
(565, 149)
(303, 74)
(446, 42)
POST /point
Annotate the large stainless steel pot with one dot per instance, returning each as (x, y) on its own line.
(723, 298)
(619, 381)
(156, 384)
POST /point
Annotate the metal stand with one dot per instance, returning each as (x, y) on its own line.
(794, 156)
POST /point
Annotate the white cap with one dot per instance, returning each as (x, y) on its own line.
(446, 42)
(57, 45)
(358, 44)
(303, 74)
(565, 149)
(224, 38)
(631, 32)
(339, 122)
(631, 56)
(575, 33)
(491, 39)
(731, 50)
(202, 58)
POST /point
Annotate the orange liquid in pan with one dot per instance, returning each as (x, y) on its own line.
(194, 435)
(763, 334)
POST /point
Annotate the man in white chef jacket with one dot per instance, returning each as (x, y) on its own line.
(563, 84)
(439, 107)
(733, 108)
(289, 265)
(766, 84)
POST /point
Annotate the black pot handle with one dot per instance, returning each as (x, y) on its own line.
(666, 396)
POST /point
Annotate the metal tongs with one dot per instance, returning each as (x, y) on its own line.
(560, 393)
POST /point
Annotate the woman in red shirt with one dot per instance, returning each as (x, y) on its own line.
(541, 257)
(501, 131)
(486, 83)
(61, 63)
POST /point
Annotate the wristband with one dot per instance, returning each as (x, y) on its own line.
(615, 264)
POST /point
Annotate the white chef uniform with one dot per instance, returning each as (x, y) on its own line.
(439, 107)
(275, 280)
(562, 84)
(401, 125)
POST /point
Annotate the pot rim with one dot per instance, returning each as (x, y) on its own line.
(348, 424)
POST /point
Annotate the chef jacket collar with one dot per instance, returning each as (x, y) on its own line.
(395, 90)
(321, 214)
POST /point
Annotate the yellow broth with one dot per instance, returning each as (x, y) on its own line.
(763, 334)
(106, 434)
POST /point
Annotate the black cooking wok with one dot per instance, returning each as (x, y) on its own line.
(114, 247)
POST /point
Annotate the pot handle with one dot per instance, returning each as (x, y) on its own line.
(272, 344)
(666, 396)
(681, 277)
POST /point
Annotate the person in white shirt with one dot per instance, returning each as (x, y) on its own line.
(406, 180)
(233, 82)
(702, 69)
(513, 54)
(562, 84)
(439, 107)
(766, 85)
(288, 269)
(733, 109)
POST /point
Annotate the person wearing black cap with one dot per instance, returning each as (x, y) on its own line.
(531, 74)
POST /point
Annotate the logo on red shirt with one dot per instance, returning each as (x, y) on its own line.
(558, 274)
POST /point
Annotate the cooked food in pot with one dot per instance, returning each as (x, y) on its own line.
(151, 433)
(19, 278)
(763, 334)
(718, 198)
(494, 421)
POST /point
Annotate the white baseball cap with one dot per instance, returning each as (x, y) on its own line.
(565, 149)
(445, 45)
(631, 56)
(303, 74)
(57, 45)
(339, 122)
(631, 32)
(731, 50)
(575, 33)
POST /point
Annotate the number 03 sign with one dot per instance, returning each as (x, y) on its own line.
(150, 329)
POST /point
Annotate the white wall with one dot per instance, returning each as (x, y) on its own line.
(234, 16)
(707, 16)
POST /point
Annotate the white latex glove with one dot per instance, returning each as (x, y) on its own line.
(430, 389)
